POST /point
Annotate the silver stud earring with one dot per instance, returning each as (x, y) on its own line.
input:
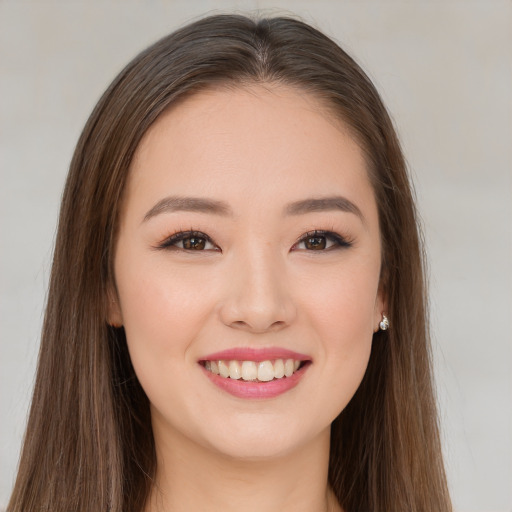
(384, 323)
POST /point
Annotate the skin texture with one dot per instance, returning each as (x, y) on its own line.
(256, 149)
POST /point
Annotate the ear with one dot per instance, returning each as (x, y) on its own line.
(114, 314)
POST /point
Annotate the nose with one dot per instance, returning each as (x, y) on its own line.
(258, 298)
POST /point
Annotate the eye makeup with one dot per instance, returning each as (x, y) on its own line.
(190, 241)
(317, 240)
(321, 240)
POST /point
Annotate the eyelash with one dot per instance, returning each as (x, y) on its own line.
(171, 241)
(339, 242)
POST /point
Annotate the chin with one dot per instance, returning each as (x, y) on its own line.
(262, 442)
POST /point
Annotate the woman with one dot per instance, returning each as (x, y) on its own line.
(237, 313)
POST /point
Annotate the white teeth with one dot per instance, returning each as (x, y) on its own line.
(223, 369)
(249, 370)
(263, 371)
(279, 369)
(288, 368)
(235, 372)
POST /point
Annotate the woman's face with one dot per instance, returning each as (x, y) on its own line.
(248, 245)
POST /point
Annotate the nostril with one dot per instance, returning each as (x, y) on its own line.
(239, 323)
(275, 326)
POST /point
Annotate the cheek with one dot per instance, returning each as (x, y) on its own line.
(342, 301)
(341, 317)
(162, 311)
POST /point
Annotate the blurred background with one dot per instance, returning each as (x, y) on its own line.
(444, 69)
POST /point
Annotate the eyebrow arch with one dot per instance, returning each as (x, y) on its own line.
(188, 204)
(212, 206)
(323, 204)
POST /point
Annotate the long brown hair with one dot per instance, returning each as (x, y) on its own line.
(89, 444)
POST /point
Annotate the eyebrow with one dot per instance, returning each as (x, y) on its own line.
(324, 204)
(188, 204)
(212, 206)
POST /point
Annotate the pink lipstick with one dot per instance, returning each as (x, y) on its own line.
(255, 373)
(255, 354)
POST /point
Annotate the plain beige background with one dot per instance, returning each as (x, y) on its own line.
(444, 69)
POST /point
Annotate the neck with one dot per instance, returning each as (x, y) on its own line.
(192, 477)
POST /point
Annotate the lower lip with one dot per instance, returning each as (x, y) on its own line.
(255, 390)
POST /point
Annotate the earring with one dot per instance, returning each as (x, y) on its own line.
(384, 323)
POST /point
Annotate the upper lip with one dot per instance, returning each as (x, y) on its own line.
(255, 354)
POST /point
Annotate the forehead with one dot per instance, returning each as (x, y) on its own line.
(245, 143)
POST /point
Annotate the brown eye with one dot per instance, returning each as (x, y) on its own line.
(194, 243)
(320, 240)
(189, 241)
(315, 243)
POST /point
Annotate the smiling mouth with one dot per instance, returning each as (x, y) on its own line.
(254, 371)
